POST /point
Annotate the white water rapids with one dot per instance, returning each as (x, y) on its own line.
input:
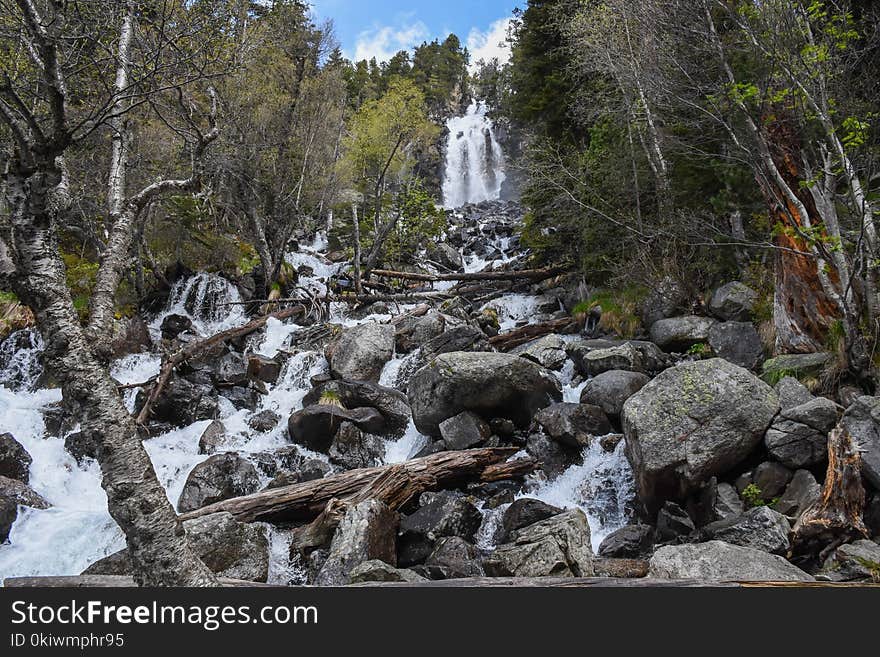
(474, 159)
(78, 530)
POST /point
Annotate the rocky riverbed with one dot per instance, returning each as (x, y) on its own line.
(670, 456)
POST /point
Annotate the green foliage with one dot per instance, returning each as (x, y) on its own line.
(752, 496)
(701, 350)
(619, 310)
(81, 274)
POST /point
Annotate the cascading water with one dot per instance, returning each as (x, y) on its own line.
(474, 159)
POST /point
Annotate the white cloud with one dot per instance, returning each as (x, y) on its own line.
(489, 44)
(385, 41)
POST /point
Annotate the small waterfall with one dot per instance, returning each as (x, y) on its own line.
(21, 365)
(474, 159)
(205, 298)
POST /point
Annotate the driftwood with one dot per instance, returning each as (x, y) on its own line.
(837, 516)
(524, 274)
(524, 335)
(305, 501)
(172, 361)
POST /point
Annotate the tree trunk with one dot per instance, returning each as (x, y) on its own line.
(136, 500)
(358, 283)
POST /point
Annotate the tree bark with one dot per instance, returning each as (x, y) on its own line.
(524, 335)
(303, 502)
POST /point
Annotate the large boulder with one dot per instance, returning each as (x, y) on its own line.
(798, 437)
(490, 384)
(229, 548)
(792, 393)
(795, 365)
(522, 513)
(367, 532)
(454, 558)
(220, 477)
(556, 547)
(629, 542)
(611, 389)
(412, 332)
(315, 427)
(760, 528)
(15, 493)
(464, 431)
(692, 422)
(737, 342)
(15, 462)
(182, 403)
(678, 334)
(230, 370)
(548, 351)
(733, 302)
(857, 561)
(718, 561)
(360, 352)
(573, 425)
(862, 420)
(379, 571)
(391, 403)
(593, 357)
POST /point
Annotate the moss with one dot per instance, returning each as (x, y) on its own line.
(700, 349)
(619, 310)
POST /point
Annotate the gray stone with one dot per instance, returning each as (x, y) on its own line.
(15, 493)
(792, 393)
(315, 427)
(464, 431)
(230, 370)
(352, 448)
(611, 389)
(379, 571)
(182, 403)
(760, 528)
(174, 325)
(772, 478)
(556, 547)
(391, 403)
(678, 334)
(360, 352)
(548, 351)
(446, 515)
(800, 494)
(213, 438)
(220, 477)
(858, 561)
(630, 542)
(263, 368)
(720, 561)
(454, 558)
(673, 522)
(666, 299)
(15, 462)
(460, 338)
(733, 302)
(522, 513)
(737, 342)
(862, 420)
(366, 533)
(691, 422)
(727, 503)
(796, 365)
(264, 421)
(490, 384)
(554, 457)
(628, 355)
(798, 437)
(412, 332)
(573, 425)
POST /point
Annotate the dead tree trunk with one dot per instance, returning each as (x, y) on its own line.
(837, 517)
(303, 502)
(524, 335)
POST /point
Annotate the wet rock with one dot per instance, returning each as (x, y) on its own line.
(858, 561)
(360, 352)
(464, 431)
(733, 302)
(263, 368)
(727, 503)
(799, 495)
(522, 513)
(228, 548)
(366, 533)
(573, 425)
(392, 404)
(556, 547)
(490, 384)
(412, 332)
(379, 571)
(221, 477)
(15, 493)
(796, 365)
(182, 403)
(458, 339)
(213, 438)
(230, 370)
(630, 542)
(692, 422)
(445, 256)
(315, 427)
(300, 471)
(737, 342)
(130, 336)
(242, 398)
(553, 456)
(792, 393)
(15, 462)
(673, 522)
(454, 558)
(760, 528)
(352, 448)
(592, 357)
(174, 325)
(720, 561)
(81, 445)
(862, 420)
(611, 389)
(771, 478)
(548, 352)
(798, 437)
(678, 334)
(447, 515)
(264, 421)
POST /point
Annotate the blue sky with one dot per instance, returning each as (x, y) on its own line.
(379, 28)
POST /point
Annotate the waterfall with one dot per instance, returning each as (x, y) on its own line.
(474, 159)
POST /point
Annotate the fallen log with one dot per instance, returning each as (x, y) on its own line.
(837, 516)
(171, 362)
(102, 581)
(523, 274)
(524, 335)
(304, 501)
